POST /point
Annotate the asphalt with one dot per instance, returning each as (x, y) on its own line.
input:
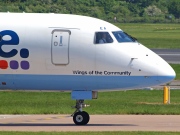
(174, 85)
(63, 123)
(170, 55)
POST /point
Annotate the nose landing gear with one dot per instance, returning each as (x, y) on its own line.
(80, 117)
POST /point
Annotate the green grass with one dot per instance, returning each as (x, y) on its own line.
(121, 102)
(89, 133)
(154, 35)
(176, 67)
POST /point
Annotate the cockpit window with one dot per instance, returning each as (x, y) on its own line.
(123, 37)
(103, 38)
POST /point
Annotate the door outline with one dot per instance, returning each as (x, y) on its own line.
(60, 30)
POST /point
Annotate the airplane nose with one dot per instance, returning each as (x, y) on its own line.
(166, 74)
(154, 66)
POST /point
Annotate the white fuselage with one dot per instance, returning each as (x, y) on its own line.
(58, 52)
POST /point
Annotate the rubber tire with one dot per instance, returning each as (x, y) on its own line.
(81, 118)
(87, 118)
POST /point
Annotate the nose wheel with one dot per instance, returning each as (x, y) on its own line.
(80, 117)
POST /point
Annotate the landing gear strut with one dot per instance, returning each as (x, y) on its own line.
(80, 117)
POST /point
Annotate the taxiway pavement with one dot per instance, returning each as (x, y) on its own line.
(48, 123)
(170, 55)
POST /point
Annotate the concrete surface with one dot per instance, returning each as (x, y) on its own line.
(58, 123)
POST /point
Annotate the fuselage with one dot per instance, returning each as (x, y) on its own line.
(61, 52)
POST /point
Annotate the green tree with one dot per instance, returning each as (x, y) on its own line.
(153, 11)
(123, 10)
(174, 8)
(107, 4)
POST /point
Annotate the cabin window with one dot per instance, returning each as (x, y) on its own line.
(103, 38)
(123, 37)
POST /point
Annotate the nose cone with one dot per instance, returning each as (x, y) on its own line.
(166, 74)
(159, 67)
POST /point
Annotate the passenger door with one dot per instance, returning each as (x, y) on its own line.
(60, 47)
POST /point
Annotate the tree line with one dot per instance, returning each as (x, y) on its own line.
(135, 11)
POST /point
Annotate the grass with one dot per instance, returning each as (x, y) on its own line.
(120, 102)
(89, 133)
(154, 35)
(176, 67)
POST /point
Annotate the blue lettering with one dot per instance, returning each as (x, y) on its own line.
(14, 41)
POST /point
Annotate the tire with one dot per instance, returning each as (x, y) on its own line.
(86, 117)
(81, 118)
